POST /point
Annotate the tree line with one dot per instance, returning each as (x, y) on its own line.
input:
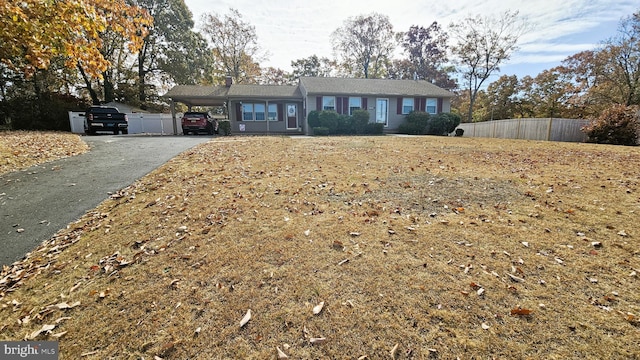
(132, 51)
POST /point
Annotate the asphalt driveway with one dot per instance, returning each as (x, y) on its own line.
(47, 197)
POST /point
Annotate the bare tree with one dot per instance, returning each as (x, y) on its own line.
(365, 43)
(482, 45)
(235, 46)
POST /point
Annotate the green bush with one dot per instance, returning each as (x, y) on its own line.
(345, 125)
(224, 127)
(442, 124)
(421, 123)
(321, 131)
(618, 125)
(374, 129)
(359, 121)
(329, 120)
(314, 119)
(49, 111)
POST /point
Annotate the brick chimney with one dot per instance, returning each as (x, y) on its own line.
(228, 81)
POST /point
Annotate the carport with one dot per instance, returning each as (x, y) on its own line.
(196, 95)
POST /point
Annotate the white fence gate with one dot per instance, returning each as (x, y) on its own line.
(139, 123)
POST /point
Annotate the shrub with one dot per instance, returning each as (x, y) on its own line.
(374, 129)
(224, 127)
(421, 123)
(49, 111)
(314, 119)
(442, 124)
(415, 123)
(321, 131)
(329, 120)
(359, 121)
(618, 125)
(345, 125)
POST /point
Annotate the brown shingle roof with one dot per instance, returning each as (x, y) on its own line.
(345, 86)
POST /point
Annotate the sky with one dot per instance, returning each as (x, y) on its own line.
(292, 29)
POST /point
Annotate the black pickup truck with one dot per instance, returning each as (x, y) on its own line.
(105, 118)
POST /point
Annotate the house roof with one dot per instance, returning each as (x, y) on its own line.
(347, 86)
(217, 95)
(265, 91)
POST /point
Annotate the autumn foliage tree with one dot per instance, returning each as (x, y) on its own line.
(234, 43)
(35, 32)
(365, 43)
(482, 45)
(618, 125)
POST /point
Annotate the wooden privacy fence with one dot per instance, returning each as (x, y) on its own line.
(550, 129)
(139, 123)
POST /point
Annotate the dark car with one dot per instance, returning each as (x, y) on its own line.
(105, 118)
(196, 122)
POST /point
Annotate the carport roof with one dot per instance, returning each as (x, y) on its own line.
(265, 91)
(198, 95)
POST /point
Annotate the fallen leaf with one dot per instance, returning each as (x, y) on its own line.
(246, 318)
(394, 351)
(521, 311)
(45, 328)
(318, 308)
(485, 326)
(281, 354)
(319, 340)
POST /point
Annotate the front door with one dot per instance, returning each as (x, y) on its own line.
(382, 111)
(292, 116)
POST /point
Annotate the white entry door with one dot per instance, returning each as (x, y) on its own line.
(382, 111)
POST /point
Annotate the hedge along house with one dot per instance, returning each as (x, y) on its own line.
(388, 101)
(284, 109)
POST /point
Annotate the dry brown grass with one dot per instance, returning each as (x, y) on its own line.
(20, 150)
(436, 245)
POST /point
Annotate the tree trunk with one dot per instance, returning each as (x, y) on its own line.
(87, 81)
(108, 87)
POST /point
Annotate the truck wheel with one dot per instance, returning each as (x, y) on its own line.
(115, 132)
(125, 131)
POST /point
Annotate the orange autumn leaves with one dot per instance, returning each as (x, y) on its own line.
(34, 32)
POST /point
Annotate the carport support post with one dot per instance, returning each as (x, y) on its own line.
(173, 117)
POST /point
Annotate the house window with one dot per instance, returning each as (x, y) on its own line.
(247, 112)
(432, 106)
(407, 105)
(329, 103)
(355, 103)
(259, 112)
(273, 112)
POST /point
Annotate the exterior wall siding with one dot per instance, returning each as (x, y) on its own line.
(394, 120)
(239, 126)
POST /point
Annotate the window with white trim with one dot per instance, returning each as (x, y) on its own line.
(255, 111)
(355, 103)
(273, 112)
(407, 105)
(259, 112)
(329, 103)
(247, 112)
(432, 106)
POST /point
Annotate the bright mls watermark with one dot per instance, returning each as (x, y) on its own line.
(32, 350)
